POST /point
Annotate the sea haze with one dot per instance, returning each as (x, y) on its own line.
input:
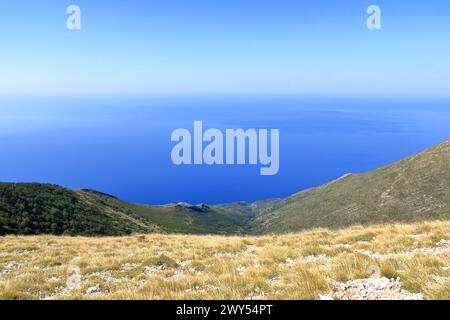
(122, 145)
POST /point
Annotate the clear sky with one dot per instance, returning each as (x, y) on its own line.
(246, 46)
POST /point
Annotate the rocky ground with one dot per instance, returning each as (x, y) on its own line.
(401, 262)
(370, 289)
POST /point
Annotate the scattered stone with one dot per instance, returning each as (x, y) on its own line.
(12, 265)
(176, 274)
(289, 262)
(153, 270)
(439, 279)
(58, 292)
(107, 276)
(93, 289)
(274, 281)
(54, 279)
(183, 263)
(343, 246)
(250, 247)
(23, 251)
(325, 297)
(257, 294)
(8, 267)
(226, 254)
(443, 243)
(315, 258)
(372, 289)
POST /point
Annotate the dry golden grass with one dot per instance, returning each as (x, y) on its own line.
(293, 266)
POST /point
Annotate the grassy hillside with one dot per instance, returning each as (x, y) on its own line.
(33, 208)
(375, 262)
(414, 189)
(177, 218)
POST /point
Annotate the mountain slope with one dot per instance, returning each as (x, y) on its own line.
(34, 208)
(177, 218)
(414, 189)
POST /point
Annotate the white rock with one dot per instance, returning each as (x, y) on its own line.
(93, 289)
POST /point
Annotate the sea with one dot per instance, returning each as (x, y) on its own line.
(122, 145)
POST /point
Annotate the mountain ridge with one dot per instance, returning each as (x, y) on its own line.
(414, 188)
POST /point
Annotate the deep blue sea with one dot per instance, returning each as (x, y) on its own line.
(121, 145)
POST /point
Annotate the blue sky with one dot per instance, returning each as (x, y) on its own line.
(255, 47)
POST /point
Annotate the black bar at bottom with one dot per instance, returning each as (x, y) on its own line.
(224, 309)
